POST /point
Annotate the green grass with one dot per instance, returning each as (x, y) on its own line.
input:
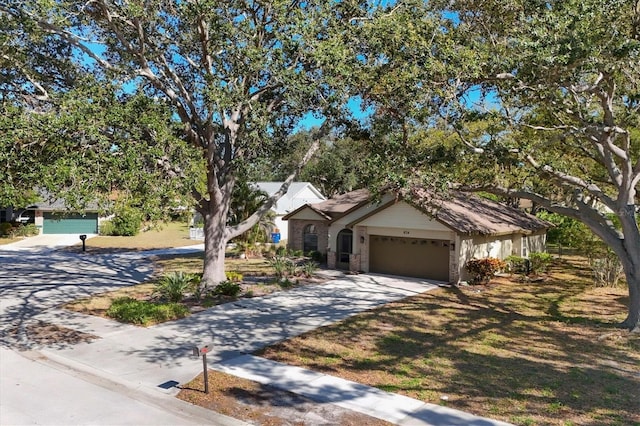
(544, 353)
(165, 235)
(141, 312)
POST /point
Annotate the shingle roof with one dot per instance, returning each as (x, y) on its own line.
(341, 204)
(471, 214)
(463, 212)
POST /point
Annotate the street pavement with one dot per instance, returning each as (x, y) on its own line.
(150, 361)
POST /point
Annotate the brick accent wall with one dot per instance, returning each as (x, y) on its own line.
(354, 263)
(296, 237)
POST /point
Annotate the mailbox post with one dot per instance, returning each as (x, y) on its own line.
(203, 352)
(83, 237)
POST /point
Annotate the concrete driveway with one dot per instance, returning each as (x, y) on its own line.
(44, 242)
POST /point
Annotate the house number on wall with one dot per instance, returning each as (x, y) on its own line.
(406, 232)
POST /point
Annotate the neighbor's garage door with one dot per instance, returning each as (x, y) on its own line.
(70, 224)
(410, 257)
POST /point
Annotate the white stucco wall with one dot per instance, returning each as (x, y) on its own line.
(499, 247)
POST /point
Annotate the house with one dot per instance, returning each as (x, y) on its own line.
(431, 236)
(299, 194)
(53, 217)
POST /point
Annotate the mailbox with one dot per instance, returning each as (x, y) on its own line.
(203, 351)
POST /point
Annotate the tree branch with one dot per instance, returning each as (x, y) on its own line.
(573, 181)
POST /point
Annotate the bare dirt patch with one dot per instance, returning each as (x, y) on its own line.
(264, 405)
(47, 334)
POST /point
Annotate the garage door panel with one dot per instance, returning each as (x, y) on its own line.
(70, 224)
(412, 257)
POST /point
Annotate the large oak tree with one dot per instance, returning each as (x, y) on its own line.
(238, 76)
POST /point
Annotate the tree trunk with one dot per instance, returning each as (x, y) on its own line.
(632, 274)
(215, 242)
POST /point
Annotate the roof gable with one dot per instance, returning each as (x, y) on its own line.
(401, 214)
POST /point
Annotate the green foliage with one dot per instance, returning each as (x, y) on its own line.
(566, 231)
(107, 228)
(540, 262)
(5, 229)
(133, 311)
(282, 266)
(482, 270)
(227, 288)
(174, 286)
(245, 201)
(234, 276)
(516, 264)
(126, 222)
(308, 269)
(339, 167)
(316, 256)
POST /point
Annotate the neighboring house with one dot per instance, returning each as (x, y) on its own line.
(432, 237)
(52, 217)
(299, 194)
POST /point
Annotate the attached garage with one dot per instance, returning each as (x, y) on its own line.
(70, 223)
(415, 233)
(410, 257)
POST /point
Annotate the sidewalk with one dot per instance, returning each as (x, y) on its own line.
(145, 359)
(37, 390)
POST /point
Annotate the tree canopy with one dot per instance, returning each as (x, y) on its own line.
(537, 101)
(237, 78)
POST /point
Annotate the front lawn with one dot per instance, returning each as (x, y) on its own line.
(144, 305)
(164, 235)
(528, 353)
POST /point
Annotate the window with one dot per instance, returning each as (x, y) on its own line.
(309, 238)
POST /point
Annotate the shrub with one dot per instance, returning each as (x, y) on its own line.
(516, 264)
(227, 288)
(606, 270)
(233, 276)
(316, 256)
(282, 266)
(107, 228)
(23, 230)
(133, 311)
(5, 229)
(126, 222)
(308, 269)
(540, 262)
(30, 229)
(281, 251)
(174, 286)
(482, 270)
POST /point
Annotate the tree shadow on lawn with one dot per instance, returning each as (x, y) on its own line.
(539, 355)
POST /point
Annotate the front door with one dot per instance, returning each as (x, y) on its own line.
(345, 248)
